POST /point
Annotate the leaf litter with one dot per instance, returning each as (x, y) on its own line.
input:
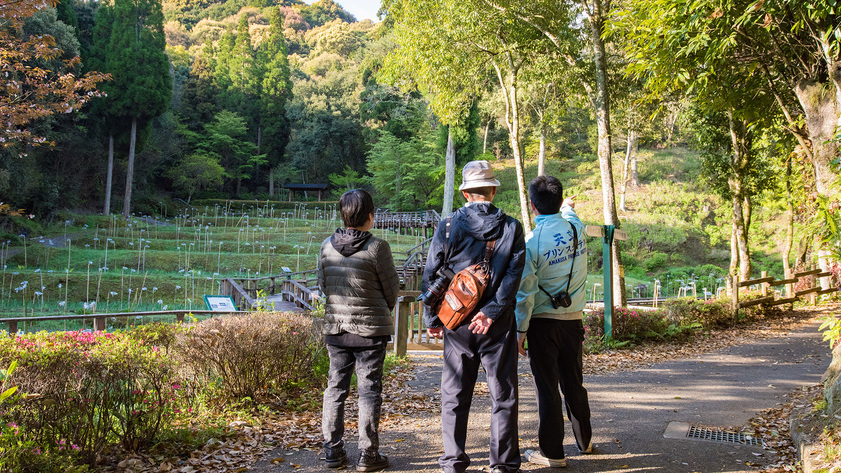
(248, 442)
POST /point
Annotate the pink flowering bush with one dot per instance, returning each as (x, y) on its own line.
(82, 390)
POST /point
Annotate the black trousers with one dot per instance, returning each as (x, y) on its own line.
(464, 351)
(555, 349)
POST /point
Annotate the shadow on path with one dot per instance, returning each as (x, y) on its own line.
(631, 411)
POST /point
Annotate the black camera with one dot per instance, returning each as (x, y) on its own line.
(561, 299)
(437, 287)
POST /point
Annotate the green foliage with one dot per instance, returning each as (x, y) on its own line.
(196, 172)
(711, 313)
(347, 180)
(226, 140)
(135, 56)
(403, 172)
(831, 328)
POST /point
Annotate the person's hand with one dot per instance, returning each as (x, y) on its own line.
(437, 332)
(480, 324)
(521, 344)
(570, 201)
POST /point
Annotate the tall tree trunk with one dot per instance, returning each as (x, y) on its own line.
(485, 138)
(271, 182)
(541, 157)
(734, 252)
(130, 169)
(823, 116)
(512, 121)
(789, 240)
(635, 177)
(629, 153)
(109, 177)
(449, 175)
(601, 104)
(745, 264)
(741, 201)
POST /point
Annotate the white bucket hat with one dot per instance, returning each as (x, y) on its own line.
(477, 174)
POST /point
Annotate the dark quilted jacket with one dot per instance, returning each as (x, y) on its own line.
(360, 289)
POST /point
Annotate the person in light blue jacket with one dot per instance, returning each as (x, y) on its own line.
(550, 304)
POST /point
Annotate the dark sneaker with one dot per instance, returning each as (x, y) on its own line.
(371, 461)
(499, 469)
(335, 457)
(534, 456)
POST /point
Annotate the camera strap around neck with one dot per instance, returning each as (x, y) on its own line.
(572, 267)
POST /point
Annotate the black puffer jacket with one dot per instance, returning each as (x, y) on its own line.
(470, 228)
(357, 276)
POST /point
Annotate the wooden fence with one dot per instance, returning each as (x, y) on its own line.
(765, 283)
(398, 221)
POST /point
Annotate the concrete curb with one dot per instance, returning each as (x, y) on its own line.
(806, 427)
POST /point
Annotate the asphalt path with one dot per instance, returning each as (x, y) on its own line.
(631, 412)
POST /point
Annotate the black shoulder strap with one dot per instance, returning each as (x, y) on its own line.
(574, 251)
(449, 221)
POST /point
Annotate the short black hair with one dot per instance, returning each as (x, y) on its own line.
(356, 205)
(485, 192)
(547, 194)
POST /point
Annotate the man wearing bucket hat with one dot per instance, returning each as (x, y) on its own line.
(488, 336)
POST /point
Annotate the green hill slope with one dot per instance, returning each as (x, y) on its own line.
(678, 230)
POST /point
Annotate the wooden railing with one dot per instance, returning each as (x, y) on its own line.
(409, 329)
(397, 221)
(100, 319)
(765, 283)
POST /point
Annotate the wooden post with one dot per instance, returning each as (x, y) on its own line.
(401, 324)
(765, 284)
(13, 328)
(99, 324)
(813, 298)
(734, 302)
(180, 317)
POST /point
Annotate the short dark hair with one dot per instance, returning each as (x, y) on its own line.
(356, 205)
(485, 192)
(547, 194)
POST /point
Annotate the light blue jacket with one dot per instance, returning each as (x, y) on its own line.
(548, 263)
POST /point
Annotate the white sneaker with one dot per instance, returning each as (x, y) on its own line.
(534, 456)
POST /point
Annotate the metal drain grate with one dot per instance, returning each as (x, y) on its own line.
(702, 433)
(683, 430)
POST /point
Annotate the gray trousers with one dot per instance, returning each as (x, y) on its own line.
(464, 351)
(369, 380)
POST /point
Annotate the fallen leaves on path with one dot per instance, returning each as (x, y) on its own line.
(408, 392)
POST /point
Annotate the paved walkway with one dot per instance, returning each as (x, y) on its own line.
(631, 411)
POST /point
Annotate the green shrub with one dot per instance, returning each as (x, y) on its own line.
(252, 354)
(655, 261)
(628, 324)
(711, 313)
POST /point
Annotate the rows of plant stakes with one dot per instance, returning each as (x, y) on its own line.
(97, 264)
